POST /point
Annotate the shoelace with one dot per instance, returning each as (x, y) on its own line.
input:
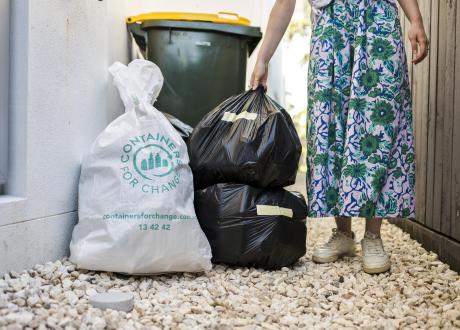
(374, 246)
(335, 235)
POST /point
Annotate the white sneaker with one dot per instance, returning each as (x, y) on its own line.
(340, 244)
(375, 259)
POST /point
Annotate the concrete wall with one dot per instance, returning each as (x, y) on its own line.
(60, 99)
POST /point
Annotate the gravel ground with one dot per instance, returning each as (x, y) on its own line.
(419, 292)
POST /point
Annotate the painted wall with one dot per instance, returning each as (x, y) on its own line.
(61, 98)
(58, 104)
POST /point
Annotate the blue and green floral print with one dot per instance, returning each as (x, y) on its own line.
(360, 137)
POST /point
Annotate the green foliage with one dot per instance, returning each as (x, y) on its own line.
(301, 27)
(300, 122)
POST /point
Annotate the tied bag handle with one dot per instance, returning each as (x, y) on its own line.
(244, 113)
(139, 84)
(250, 121)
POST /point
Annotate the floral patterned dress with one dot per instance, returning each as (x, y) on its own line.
(360, 137)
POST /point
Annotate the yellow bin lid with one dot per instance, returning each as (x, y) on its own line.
(221, 17)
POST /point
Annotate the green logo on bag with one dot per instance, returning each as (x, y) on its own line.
(149, 163)
(158, 163)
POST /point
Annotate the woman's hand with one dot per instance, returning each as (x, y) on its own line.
(419, 42)
(259, 75)
(417, 36)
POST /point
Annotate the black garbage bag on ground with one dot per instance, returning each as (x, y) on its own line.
(252, 227)
(247, 139)
(184, 130)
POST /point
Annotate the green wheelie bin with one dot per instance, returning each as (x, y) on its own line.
(203, 58)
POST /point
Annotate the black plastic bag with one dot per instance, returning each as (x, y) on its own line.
(247, 139)
(252, 227)
(184, 130)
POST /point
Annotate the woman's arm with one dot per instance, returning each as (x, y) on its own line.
(417, 35)
(280, 17)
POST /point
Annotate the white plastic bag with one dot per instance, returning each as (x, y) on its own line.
(136, 212)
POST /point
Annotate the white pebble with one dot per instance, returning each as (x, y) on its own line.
(20, 317)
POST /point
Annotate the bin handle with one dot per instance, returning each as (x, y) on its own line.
(230, 15)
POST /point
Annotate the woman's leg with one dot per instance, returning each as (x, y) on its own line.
(373, 225)
(343, 224)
